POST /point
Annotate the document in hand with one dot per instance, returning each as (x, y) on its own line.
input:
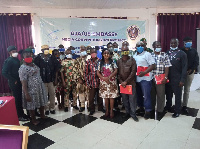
(159, 78)
(126, 90)
(140, 69)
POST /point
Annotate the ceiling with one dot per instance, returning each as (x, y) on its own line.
(101, 4)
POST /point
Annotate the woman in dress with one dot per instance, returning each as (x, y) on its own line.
(107, 71)
(33, 90)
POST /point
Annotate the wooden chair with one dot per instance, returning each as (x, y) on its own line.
(19, 128)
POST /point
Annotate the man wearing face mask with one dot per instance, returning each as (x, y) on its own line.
(68, 80)
(145, 45)
(126, 76)
(177, 76)
(116, 55)
(92, 81)
(193, 62)
(82, 89)
(62, 51)
(49, 66)
(144, 84)
(10, 71)
(162, 67)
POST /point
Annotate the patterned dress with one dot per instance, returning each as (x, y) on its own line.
(108, 90)
(36, 88)
(59, 87)
(68, 70)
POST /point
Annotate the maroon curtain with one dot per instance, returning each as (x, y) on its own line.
(177, 26)
(15, 29)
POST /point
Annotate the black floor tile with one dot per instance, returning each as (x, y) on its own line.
(79, 120)
(116, 119)
(191, 112)
(44, 123)
(37, 141)
(196, 124)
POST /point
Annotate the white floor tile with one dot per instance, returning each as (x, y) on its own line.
(127, 136)
(80, 140)
(31, 132)
(100, 127)
(58, 131)
(194, 139)
(56, 146)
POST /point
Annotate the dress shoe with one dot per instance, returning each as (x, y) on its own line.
(66, 109)
(104, 111)
(53, 112)
(46, 112)
(75, 107)
(140, 111)
(147, 115)
(126, 115)
(91, 112)
(81, 109)
(135, 119)
(175, 115)
(185, 110)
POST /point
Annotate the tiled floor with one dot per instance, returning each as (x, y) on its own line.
(74, 130)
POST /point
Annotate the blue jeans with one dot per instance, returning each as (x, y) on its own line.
(129, 102)
(143, 90)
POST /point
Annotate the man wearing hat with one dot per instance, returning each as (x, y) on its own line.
(145, 45)
(49, 66)
(10, 71)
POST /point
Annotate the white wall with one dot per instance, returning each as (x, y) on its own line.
(136, 14)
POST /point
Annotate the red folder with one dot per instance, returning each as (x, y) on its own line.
(140, 69)
(126, 90)
(159, 78)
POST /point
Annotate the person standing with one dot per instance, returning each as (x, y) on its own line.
(10, 71)
(82, 89)
(126, 76)
(49, 66)
(193, 62)
(177, 77)
(108, 89)
(144, 82)
(162, 67)
(33, 90)
(92, 81)
(68, 80)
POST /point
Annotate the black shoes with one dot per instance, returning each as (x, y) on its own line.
(53, 112)
(75, 107)
(135, 119)
(126, 115)
(175, 115)
(66, 109)
(168, 109)
(147, 115)
(81, 109)
(91, 112)
(140, 111)
(185, 110)
(46, 112)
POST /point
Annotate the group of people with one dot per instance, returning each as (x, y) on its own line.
(88, 77)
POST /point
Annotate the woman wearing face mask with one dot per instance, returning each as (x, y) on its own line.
(33, 90)
(143, 85)
(107, 71)
(177, 77)
(162, 67)
(68, 80)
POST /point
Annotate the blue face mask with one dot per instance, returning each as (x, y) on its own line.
(115, 49)
(188, 44)
(73, 51)
(158, 49)
(33, 50)
(173, 48)
(83, 53)
(140, 49)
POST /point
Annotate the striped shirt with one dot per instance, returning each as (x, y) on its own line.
(91, 77)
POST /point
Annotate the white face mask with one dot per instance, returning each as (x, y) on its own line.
(69, 56)
(158, 49)
(14, 54)
(83, 53)
(173, 48)
(62, 57)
